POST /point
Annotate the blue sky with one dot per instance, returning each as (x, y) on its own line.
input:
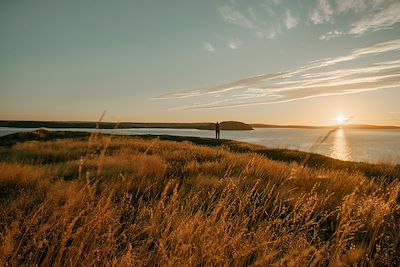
(267, 61)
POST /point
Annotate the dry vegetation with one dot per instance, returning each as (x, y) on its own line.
(123, 202)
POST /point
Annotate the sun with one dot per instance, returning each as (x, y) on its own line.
(340, 119)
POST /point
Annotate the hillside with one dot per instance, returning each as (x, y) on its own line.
(79, 199)
(313, 160)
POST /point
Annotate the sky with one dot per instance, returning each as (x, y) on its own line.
(256, 61)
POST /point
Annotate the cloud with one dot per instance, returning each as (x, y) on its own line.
(269, 33)
(261, 19)
(340, 82)
(331, 34)
(208, 47)
(235, 44)
(290, 21)
(243, 83)
(393, 45)
(234, 16)
(322, 13)
(309, 81)
(252, 13)
(384, 19)
(350, 5)
(375, 15)
(382, 47)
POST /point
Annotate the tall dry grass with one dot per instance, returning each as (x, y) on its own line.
(124, 202)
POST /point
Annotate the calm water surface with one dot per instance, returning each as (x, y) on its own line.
(374, 146)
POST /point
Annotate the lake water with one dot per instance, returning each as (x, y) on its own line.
(375, 146)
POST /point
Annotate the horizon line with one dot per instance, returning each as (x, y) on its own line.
(262, 124)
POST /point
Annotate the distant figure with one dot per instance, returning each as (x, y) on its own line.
(217, 131)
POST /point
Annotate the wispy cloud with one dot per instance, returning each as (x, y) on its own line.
(374, 15)
(269, 33)
(290, 21)
(269, 19)
(235, 44)
(305, 82)
(247, 20)
(240, 84)
(208, 47)
(234, 16)
(393, 45)
(340, 82)
(381, 20)
(350, 5)
(260, 18)
(331, 34)
(322, 13)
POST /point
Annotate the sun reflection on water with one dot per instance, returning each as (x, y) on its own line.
(340, 149)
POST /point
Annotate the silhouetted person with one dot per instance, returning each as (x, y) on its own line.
(217, 131)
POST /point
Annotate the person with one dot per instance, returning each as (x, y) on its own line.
(217, 131)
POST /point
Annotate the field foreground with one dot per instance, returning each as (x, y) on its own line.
(80, 200)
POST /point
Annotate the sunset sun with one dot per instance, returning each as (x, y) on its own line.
(340, 119)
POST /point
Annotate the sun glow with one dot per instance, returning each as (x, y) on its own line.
(340, 119)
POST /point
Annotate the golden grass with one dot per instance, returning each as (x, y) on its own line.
(125, 202)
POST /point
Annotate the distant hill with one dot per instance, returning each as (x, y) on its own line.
(228, 126)
(102, 125)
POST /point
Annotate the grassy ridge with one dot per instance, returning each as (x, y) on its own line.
(79, 199)
(382, 172)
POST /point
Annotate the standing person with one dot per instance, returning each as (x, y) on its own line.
(217, 131)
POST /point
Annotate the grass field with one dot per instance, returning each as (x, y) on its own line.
(70, 199)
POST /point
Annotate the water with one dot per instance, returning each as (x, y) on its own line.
(375, 146)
